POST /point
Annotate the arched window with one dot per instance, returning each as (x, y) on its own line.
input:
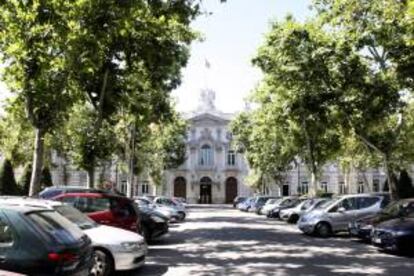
(206, 156)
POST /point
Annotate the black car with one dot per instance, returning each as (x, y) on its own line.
(287, 203)
(362, 228)
(237, 200)
(396, 234)
(153, 223)
(42, 242)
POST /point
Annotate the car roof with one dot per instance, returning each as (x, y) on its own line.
(93, 195)
(20, 208)
(29, 202)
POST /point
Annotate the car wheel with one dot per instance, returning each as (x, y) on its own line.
(146, 233)
(102, 265)
(323, 230)
(293, 218)
(181, 216)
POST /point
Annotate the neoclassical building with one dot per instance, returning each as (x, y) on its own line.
(213, 171)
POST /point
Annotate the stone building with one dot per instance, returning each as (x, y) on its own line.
(213, 171)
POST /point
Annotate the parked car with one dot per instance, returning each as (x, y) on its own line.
(181, 199)
(37, 241)
(246, 204)
(259, 202)
(169, 202)
(286, 203)
(154, 224)
(292, 215)
(107, 209)
(54, 191)
(334, 216)
(172, 213)
(362, 228)
(396, 234)
(269, 206)
(237, 200)
(114, 248)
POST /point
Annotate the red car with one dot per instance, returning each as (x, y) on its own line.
(108, 209)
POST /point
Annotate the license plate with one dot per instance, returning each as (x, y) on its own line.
(377, 240)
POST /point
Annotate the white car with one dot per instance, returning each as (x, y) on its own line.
(172, 204)
(270, 205)
(292, 215)
(114, 248)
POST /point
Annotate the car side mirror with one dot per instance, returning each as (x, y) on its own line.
(341, 210)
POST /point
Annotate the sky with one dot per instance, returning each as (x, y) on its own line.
(231, 37)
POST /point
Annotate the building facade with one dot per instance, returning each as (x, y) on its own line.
(213, 171)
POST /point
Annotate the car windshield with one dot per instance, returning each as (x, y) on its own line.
(262, 200)
(75, 216)
(325, 204)
(271, 201)
(55, 227)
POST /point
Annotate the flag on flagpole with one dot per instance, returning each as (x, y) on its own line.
(207, 64)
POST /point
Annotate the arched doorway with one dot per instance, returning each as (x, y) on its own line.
(180, 187)
(231, 189)
(205, 190)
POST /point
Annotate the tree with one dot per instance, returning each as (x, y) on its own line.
(405, 184)
(24, 181)
(294, 93)
(126, 57)
(16, 134)
(370, 74)
(8, 184)
(32, 44)
(86, 146)
(46, 178)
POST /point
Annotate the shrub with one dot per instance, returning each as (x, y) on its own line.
(8, 184)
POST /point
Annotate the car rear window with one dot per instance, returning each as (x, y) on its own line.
(56, 227)
(75, 216)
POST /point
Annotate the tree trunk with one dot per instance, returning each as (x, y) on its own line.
(392, 183)
(131, 164)
(91, 177)
(37, 162)
(313, 188)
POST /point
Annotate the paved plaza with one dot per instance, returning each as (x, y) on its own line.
(219, 240)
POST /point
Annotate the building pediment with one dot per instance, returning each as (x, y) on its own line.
(218, 119)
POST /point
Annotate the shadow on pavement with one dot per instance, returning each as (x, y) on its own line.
(216, 240)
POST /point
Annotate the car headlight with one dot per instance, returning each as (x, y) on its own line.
(157, 219)
(132, 246)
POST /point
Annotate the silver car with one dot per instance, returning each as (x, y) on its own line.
(334, 216)
(292, 215)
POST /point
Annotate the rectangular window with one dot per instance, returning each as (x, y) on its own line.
(303, 188)
(342, 188)
(145, 188)
(324, 186)
(375, 185)
(231, 158)
(360, 187)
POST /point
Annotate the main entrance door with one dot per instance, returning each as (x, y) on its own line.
(205, 190)
(180, 187)
(231, 189)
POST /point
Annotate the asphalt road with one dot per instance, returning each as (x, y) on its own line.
(218, 240)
